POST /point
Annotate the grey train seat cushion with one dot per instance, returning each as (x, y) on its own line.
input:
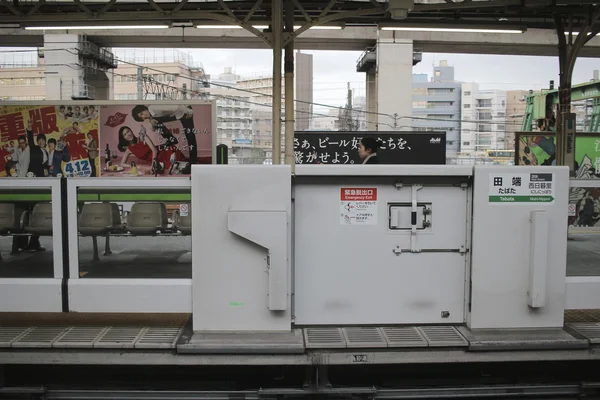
(40, 222)
(146, 218)
(99, 218)
(10, 217)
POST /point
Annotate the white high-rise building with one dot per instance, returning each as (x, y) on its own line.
(483, 118)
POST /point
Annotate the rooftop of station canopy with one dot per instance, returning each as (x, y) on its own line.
(524, 14)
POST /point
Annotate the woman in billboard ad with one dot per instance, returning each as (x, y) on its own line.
(155, 139)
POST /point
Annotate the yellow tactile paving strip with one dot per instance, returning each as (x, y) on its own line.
(93, 319)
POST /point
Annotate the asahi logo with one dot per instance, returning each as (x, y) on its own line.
(436, 140)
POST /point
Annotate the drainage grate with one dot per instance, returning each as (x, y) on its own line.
(118, 337)
(443, 336)
(324, 338)
(159, 338)
(40, 336)
(80, 337)
(404, 337)
(364, 337)
(9, 334)
(589, 331)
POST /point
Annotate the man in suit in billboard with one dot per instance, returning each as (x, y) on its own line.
(38, 155)
(161, 114)
(56, 157)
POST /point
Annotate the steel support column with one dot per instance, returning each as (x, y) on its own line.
(568, 50)
(276, 27)
(288, 69)
(595, 117)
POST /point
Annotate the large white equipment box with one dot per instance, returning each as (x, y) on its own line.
(381, 245)
(241, 239)
(378, 245)
(519, 247)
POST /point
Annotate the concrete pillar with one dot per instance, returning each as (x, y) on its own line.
(70, 75)
(102, 82)
(62, 65)
(394, 82)
(371, 86)
(277, 28)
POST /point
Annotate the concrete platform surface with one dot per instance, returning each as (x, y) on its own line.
(529, 339)
(244, 343)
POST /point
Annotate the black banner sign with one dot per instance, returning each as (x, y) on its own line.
(394, 147)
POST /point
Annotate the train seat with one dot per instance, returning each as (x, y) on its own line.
(10, 218)
(40, 222)
(146, 218)
(183, 223)
(99, 219)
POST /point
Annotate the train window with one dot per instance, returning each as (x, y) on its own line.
(142, 233)
(26, 233)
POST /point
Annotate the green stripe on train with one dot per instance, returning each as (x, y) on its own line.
(145, 197)
(25, 197)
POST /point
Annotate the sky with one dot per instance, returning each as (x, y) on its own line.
(333, 69)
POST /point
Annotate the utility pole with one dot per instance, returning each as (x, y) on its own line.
(346, 120)
(140, 83)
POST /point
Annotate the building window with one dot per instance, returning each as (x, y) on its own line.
(467, 93)
(435, 104)
(484, 103)
(467, 106)
(501, 127)
(501, 114)
(466, 143)
(440, 91)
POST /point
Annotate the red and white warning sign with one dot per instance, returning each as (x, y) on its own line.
(358, 206)
(572, 210)
(183, 210)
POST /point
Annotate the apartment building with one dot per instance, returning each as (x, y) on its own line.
(22, 77)
(516, 103)
(484, 119)
(436, 105)
(262, 86)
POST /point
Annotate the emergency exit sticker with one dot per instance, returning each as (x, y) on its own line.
(522, 188)
(358, 206)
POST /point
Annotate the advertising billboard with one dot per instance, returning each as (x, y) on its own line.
(155, 138)
(49, 140)
(394, 147)
(537, 148)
